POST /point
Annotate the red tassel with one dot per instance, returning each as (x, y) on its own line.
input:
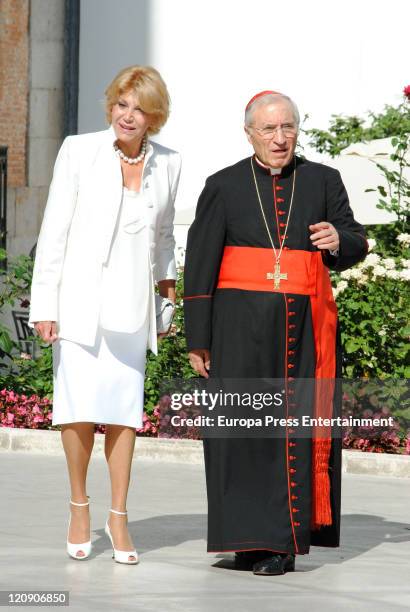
(321, 510)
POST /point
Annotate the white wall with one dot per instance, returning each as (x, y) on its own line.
(344, 57)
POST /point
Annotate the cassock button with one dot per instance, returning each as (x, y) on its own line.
(280, 200)
(292, 326)
(292, 470)
(292, 313)
(295, 509)
(296, 524)
(293, 484)
(282, 224)
(294, 496)
(281, 212)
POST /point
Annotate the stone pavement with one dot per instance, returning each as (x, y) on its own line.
(167, 519)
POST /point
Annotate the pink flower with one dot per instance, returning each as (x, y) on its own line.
(406, 92)
(165, 401)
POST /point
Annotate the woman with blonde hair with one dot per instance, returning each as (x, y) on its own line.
(105, 240)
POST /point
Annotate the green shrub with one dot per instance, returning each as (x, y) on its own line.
(373, 301)
(346, 130)
(172, 360)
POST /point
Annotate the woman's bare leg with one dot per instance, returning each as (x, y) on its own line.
(119, 448)
(78, 441)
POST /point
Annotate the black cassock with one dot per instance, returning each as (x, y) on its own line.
(259, 490)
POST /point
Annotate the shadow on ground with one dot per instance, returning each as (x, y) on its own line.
(359, 534)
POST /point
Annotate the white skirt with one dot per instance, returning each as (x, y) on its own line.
(103, 383)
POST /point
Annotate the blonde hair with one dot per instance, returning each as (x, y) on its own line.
(148, 85)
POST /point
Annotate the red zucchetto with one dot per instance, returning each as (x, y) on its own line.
(259, 95)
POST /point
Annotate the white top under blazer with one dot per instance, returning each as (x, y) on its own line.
(77, 231)
(126, 274)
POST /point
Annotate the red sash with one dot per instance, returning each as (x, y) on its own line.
(246, 268)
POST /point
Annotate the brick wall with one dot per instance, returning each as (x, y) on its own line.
(14, 85)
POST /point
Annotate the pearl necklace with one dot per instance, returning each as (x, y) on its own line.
(132, 160)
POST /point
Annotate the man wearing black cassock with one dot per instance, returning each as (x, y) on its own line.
(258, 303)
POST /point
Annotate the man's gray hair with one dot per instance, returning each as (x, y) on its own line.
(268, 99)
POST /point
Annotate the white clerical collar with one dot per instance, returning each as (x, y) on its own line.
(272, 170)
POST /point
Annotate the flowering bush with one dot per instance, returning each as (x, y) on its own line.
(168, 430)
(31, 412)
(34, 412)
(375, 439)
(377, 399)
(373, 300)
(150, 423)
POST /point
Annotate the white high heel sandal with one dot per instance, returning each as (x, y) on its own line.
(74, 549)
(121, 556)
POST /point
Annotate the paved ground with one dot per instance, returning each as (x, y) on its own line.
(167, 509)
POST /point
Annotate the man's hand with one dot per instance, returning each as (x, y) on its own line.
(200, 360)
(324, 236)
(47, 330)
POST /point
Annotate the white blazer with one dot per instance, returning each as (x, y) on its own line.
(78, 226)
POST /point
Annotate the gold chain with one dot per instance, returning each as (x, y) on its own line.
(277, 257)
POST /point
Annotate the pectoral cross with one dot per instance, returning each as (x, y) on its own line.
(277, 276)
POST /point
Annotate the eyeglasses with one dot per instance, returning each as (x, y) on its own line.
(268, 132)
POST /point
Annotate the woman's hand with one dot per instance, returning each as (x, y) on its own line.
(168, 332)
(47, 330)
(166, 289)
(164, 334)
